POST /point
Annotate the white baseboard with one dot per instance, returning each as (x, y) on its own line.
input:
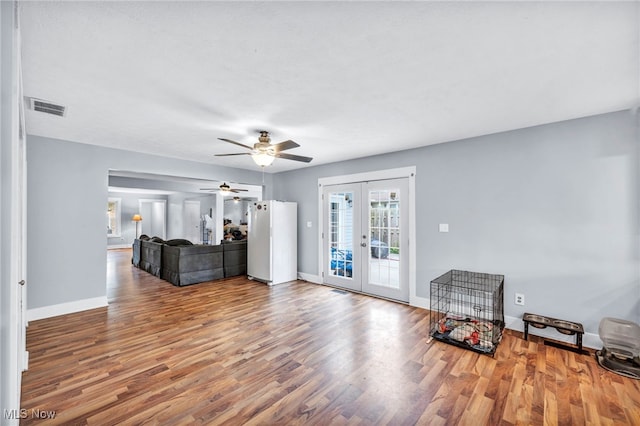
(66, 308)
(118, 246)
(589, 340)
(316, 279)
(419, 302)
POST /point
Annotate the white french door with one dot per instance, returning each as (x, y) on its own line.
(341, 239)
(366, 239)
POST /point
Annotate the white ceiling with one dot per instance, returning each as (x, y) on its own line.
(343, 79)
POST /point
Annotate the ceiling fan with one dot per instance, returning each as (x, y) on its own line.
(263, 152)
(224, 189)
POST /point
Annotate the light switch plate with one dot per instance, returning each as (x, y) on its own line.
(443, 227)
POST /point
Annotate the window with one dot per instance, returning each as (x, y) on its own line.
(113, 217)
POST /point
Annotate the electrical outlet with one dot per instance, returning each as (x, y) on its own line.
(519, 300)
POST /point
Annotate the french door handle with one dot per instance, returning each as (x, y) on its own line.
(21, 282)
(363, 244)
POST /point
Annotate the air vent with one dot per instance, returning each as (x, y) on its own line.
(47, 107)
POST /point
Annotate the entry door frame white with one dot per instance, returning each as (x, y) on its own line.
(402, 172)
(14, 226)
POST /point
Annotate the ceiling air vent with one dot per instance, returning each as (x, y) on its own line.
(48, 107)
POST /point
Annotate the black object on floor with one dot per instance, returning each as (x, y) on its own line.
(562, 326)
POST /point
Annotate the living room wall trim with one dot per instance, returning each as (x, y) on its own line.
(66, 308)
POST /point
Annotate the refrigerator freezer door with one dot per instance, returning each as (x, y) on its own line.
(284, 242)
(259, 242)
(272, 242)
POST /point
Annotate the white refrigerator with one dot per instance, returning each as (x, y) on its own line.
(272, 241)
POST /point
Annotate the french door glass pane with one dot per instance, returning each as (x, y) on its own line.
(341, 234)
(384, 231)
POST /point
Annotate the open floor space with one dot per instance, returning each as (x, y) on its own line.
(236, 351)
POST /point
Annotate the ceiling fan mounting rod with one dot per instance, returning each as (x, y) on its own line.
(264, 137)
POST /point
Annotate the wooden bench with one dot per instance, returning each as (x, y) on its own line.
(562, 326)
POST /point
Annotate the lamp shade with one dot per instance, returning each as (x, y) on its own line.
(136, 218)
(263, 159)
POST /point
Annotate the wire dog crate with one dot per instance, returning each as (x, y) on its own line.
(467, 310)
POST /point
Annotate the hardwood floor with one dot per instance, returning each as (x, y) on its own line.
(239, 352)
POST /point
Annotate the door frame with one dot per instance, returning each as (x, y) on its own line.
(13, 228)
(403, 172)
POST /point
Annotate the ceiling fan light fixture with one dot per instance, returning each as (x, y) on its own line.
(225, 189)
(262, 159)
(263, 152)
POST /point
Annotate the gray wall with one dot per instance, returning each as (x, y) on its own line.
(130, 205)
(237, 212)
(554, 208)
(179, 192)
(175, 220)
(67, 191)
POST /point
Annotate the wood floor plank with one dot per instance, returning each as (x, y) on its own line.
(236, 351)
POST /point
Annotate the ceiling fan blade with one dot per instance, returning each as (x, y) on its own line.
(294, 157)
(236, 143)
(239, 153)
(283, 146)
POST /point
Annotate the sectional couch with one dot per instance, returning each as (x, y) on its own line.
(182, 263)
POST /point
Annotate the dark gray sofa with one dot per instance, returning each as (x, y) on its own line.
(151, 255)
(190, 264)
(135, 255)
(182, 263)
(235, 258)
